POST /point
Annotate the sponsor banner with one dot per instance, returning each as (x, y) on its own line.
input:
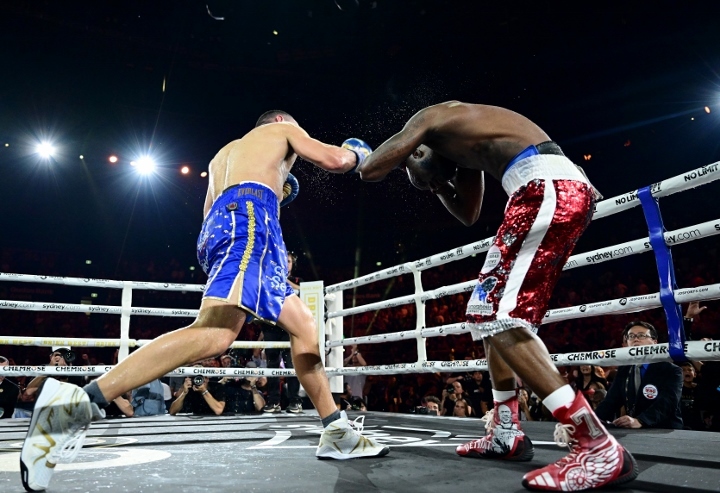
(418, 265)
(58, 307)
(694, 350)
(57, 341)
(164, 312)
(676, 237)
(99, 283)
(686, 181)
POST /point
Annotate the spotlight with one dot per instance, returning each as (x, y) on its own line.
(45, 149)
(185, 170)
(145, 165)
(203, 174)
(113, 159)
(82, 157)
(7, 145)
(707, 110)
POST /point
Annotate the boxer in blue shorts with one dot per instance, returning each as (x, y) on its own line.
(253, 257)
(242, 250)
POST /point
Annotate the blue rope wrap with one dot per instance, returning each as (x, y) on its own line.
(666, 271)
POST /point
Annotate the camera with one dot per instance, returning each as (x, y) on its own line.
(450, 390)
(67, 354)
(421, 410)
(198, 380)
(356, 403)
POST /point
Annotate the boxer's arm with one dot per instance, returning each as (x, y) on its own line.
(463, 195)
(328, 157)
(394, 151)
(208, 202)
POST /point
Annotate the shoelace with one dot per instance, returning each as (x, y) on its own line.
(489, 419)
(563, 436)
(71, 448)
(358, 424)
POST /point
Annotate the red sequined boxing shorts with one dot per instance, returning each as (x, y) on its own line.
(543, 221)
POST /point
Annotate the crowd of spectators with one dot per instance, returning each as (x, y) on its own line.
(463, 395)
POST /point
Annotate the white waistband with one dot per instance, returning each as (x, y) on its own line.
(540, 166)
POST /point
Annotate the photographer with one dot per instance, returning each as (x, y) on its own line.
(60, 356)
(430, 406)
(243, 396)
(9, 392)
(199, 397)
(450, 395)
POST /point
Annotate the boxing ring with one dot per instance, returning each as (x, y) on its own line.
(669, 460)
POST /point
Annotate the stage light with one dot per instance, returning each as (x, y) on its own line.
(113, 159)
(82, 157)
(185, 170)
(707, 110)
(203, 174)
(145, 165)
(275, 32)
(378, 264)
(7, 145)
(45, 149)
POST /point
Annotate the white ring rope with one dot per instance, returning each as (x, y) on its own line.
(677, 237)
(100, 283)
(701, 350)
(77, 342)
(695, 350)
(613, 205)
(617, 306)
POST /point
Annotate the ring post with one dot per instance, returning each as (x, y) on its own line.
(334, 329)
(125, 310)
(420, 310)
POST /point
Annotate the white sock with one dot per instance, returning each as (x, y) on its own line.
(562, 397)
(503, 395)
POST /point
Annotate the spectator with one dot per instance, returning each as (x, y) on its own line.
(356, 382)
(280, 358)
(149, 399)
(462, 409)
(650, 393)
(243, 396)
(690, 413)
(200, 398)
(451, 395)
(524, 405)
(60, 356)
(432, 405)
(588, 375)
(479, 391)
(9, 392)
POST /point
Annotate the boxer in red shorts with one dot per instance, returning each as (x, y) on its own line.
(446, 149)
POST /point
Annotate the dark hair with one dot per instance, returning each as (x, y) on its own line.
(638, 323)
(269, 116)
(431, 398)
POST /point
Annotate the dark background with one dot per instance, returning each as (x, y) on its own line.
(619, 82)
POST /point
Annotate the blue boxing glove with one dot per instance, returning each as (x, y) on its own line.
(361, 150)
(291, 187)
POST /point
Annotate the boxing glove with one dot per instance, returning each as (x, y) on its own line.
(361, 150)
(291, 187)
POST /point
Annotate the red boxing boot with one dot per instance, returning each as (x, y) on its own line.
(596, 459)
(504, 437)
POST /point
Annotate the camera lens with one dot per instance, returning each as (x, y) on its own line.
(198, 380)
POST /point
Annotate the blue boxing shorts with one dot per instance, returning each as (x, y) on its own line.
(241, 246)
